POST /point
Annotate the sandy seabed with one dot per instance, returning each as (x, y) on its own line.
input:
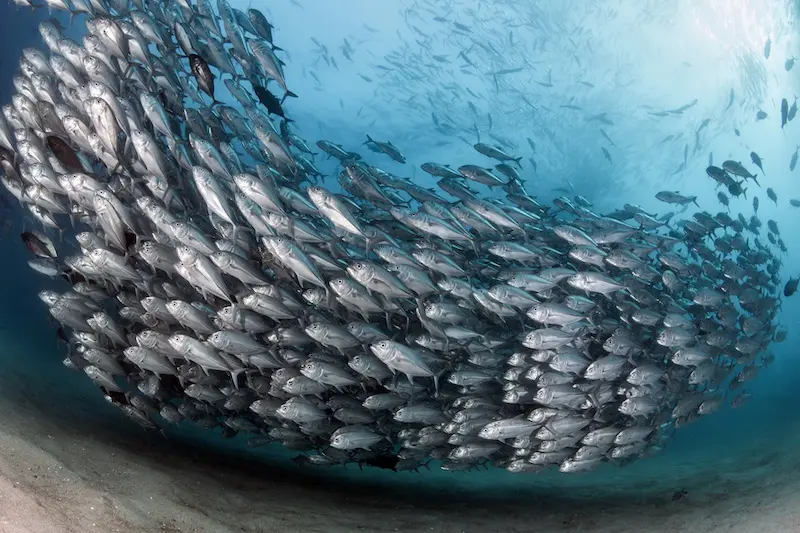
(71, 464)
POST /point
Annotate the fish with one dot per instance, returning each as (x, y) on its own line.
(606, 155)
(387, 148)
(496, 153)
(772, 196)
(202, 73)
(674, 197)
(791, 286)
(784, 112)
(269, 101)
(208, 273)
(39, 244)
(756, 159)
(735, 168)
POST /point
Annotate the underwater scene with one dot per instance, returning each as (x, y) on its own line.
(437, 265)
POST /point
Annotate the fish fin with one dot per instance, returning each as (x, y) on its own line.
(287, 95)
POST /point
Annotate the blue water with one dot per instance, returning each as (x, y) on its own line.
(639, 57)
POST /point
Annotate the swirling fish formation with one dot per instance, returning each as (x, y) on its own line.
(216, 276)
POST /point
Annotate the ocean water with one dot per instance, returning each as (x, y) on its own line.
(613, 66)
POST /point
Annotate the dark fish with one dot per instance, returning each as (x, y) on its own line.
(735, 189)
(64, 153)
(754, 157)
(767, 48)
(602, 131)
(606, 154)
(39, 244)
(790, 287)
(202, 73)
(507, 71)
(269, 101)
(784, 112)
(730, 100)
(761, 115)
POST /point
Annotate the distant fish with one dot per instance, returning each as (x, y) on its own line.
(756, 159)
(387, 148)
(772, 195)
(761, 115)
(495, 153)
(507, 71)
(791, 287)
(789, 63)
(730, 100)
(784, 112)
(602, 131)
(683, 108)
(793, 162)
(606, 154)
(674, 197)
(767, 48)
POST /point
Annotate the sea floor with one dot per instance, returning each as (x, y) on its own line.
(70, 463)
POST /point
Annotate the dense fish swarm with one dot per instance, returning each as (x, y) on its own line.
(216, 278)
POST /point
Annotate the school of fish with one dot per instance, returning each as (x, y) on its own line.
(214, 275)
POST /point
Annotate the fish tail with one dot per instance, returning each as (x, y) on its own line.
(287, 95)
(694, 201)
(517, 161)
